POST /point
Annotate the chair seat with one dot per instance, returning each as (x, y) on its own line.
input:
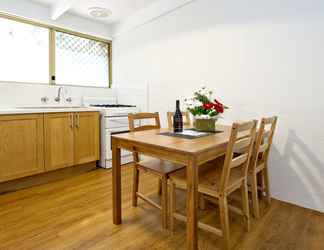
(209, 177)
(158, 166)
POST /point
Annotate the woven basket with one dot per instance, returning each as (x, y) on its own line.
(205, 125)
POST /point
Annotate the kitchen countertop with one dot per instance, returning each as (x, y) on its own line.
(39, 110)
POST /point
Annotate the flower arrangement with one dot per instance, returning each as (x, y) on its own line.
(201, 106)
(205, 111)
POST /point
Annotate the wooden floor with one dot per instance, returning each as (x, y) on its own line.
(76, 214)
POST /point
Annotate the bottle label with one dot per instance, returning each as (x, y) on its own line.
(178, 124)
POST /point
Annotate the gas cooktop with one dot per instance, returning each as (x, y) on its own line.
(112, 106)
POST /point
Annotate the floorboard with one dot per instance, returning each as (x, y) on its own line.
(75, 213)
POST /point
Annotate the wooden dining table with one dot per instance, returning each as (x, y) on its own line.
(189, 152)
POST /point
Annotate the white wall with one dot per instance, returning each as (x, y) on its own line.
(29, 95)
(134, 93)
(155, 10)
(261, 57)
(18, 95)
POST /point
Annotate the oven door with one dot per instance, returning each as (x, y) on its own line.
(109, 134)
(113, 123)
(118, 122)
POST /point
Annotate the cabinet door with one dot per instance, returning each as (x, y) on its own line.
(21, 146)
(59, 140)
(86, 137)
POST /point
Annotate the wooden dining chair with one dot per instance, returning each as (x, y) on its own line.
(156, 167)
(187, 121)
(219, 178)
(259, 163)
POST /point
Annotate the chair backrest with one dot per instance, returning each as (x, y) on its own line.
(133, 117)
(263, 141)
(143, 116)
(186, 121)
(239, 151)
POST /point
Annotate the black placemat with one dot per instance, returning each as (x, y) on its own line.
(189, 136)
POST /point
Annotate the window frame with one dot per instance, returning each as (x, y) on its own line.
(51, 50)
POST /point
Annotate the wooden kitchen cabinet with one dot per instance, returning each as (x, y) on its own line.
(71, 139)
(35, 143)
(21, 146)
(86, 137)
(59, 140)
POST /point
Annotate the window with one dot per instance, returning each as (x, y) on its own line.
(24, 53)
(81, 61)
(37, 53)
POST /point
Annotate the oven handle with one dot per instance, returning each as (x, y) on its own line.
(118, 121)
(118, 115)
(119, 132)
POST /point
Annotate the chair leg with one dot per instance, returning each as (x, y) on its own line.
(135, 186)
(245, 205)
(160, 187)
(202, 202)
(223, 207)
(261, 184)
(172, 204)
(164, 202)
(267, 184)
(255, 199)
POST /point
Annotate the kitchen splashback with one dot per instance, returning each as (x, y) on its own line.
(21, 95)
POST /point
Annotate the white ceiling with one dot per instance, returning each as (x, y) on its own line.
(120, 8)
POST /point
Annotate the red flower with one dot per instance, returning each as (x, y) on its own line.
(208, 105)
(217, 102)
(219, 106)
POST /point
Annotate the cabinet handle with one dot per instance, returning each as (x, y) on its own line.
(78, 120)
(71, 121)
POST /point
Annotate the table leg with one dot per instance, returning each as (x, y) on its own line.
(116, 172)
(192, 204)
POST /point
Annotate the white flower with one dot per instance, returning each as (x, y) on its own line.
(205, 91)
(202, 116)
(190, 102)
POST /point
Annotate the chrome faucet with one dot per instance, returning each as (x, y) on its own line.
(59, 94)
(44, 99)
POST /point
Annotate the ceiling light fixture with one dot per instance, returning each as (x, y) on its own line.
(99, 12)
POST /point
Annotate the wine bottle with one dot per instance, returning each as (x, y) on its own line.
(177, 119)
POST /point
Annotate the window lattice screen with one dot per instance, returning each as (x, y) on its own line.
(81, 61)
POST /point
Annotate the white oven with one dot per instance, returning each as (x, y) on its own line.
(114, 120)
(112, 126)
